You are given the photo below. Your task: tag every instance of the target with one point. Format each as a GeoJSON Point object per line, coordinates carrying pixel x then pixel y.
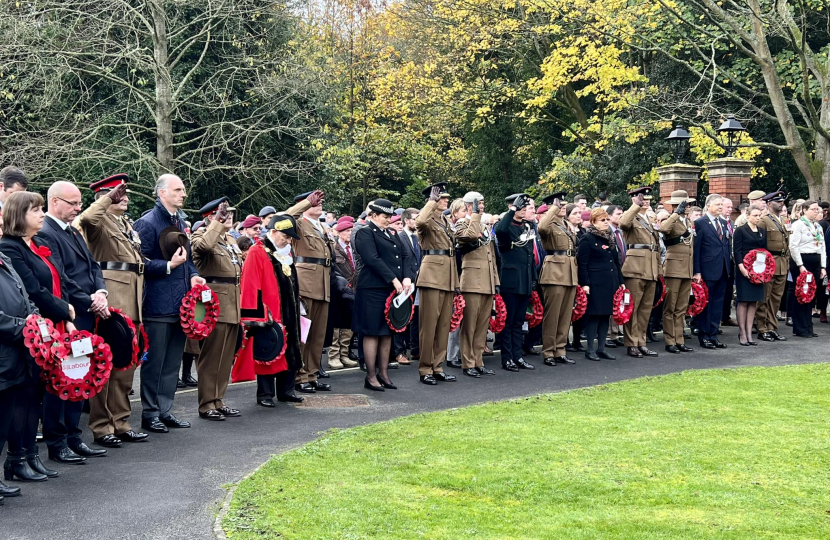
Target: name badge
{"type": "Point", "coordinates": [82, 347]}
{"type": "Point", "coordinates": [207, 295]}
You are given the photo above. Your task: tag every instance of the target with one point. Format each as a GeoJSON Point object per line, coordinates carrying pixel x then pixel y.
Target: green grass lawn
{"type": "Point", "coordinates": [703, 454]}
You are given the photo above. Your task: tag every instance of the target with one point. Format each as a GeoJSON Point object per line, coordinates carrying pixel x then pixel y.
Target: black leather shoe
{"type": "Point", "coordinates": [443, 377]}
{"type": "Point", "coordinates": [153, 424]}
{"type": "Point", "coordinates": [719, 345]}
{"type": "Point", "coordinates": [290, 398]}
{"type": "Point", "coordinates": [212, 414]}
{"type": "Point", "coordinates": [695, 332]}
{"type": "Point", "coordinates": [16, 467]}
{"type": "Point", "coordinates": [428, 379]}
{"type": "Point", "coordinates": [228, 412]}
{"type": "Point", "coordinates": [578, 346]}
{"type": "Point", "coordinates": [322, 374]}
{"type": "Point", "coordinates": [471, 372]}
{"type": "Point", "coordinates": [65, 455]}
{"type": "Point", "coordinates": [180, 384]}
{"type": "Point", "coordinates": [108, 441]}
{"type": "Point", "coordinates": [394, 365]}
{"type": "Point", "coordinates": [687, 335]}
{"type": "Point", "coordinates": [789, 321]}
{"type": "Point", "coordinates": [605, 356]}
{"type": "Point", "coordinates": [133, 436]}
{"type": "Point", "coordinates": [620, 342]}
{"type": "Point", "coordinates": [610, 344]}
{"type": "Point", "coordinates": [648, 352]}
{"type": "Point", "coordinates": [173, 422]}
{"type": "Point", "coordinates": [766, 336]}
{"type": "Point", "coordinates": [634, 352]}
{"type": "Point", "coordinates": [706, 344]}
{"type": "Point", "coordinates": [266, 403]}
{"type": "Point", "coordinates": [369, 386]}
{"type": "Point", "coordinates": [37, 465]}
{"type": "Point", "coordinates": [530, 352]}
{"type": "Point", "coordinates": [8, 491]}
{"type": "Point", "coordinates": [320, 386]}
{"type": "Point", "coordinates": [569, 347]}
{"type": "Point", "coordinates": [83, 450]}
{"type": "Point", "coordinates": [510, 366]}
{"type": "Point", "coordinates": [550, 361]}
{"type": "Point", "coordinates": [387, 384]}
{"type": "Point", "coordinates": [188, 380]}
{"type": "Point", "coordinates": [454, 363]}
{"type": "Point", "coordinates": [484, 371]}
{"type": "Point", "coordinates": [523, 365]}
{"type": "Point", "coordinates": [592, 356]}
{"type": "Point", "coordinates": [564, 360]}
{"type": "Point", "coordinates": [685, 348]}
{"type": "Point", "coordinates": [776, 336]}
{"type": "Point", "coordinates": [674, 349]}
{"type": "Point", "coordinates": [305, 388]}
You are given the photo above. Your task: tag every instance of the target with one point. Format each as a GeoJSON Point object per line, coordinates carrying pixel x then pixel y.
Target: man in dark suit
{"type": "Point", "coordinates": [713, 265]}
{"type": "Point", "coordinates": [86, 291]}
{"type": "Point", "coordinates": [409, 340]}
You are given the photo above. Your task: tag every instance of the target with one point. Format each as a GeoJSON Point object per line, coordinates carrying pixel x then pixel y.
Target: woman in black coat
{"type": "Point", "coordinates": [385, 269]}
{"type": "Point", "coordinates": [23, 218]}
{"type": "Point", "coordinates": [600, 275]}
{"type": "Point", "coordinates": [745, 239]}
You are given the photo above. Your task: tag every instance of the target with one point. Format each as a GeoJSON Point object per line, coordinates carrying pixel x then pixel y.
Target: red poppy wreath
{"type": "Point", "coordinates": [458, 304]}
{"type": "Point", "coordinates": [622, 309]}
{"type": "Point", "coordinates": [580, 304]}
{"type": "Point", "coordinates": [199, 312]}
{"type": "Point", "coordinates": [701, 293]}
{"type": "Point", "coordinates": [39, 334]}
{"type": "Point", "coordinates": [769, 266]}
{"type": "Point", "coordinates": [137, 344]}
{"type": "Point", "coordinates": [534, 317]}
{"type": "Point", "coordinates": [805, 289]}
{"type": "Point", "coordinates": [498, 321]}
{"type": "Point", "coordinates": [663, 292]}
{"type": "Point", "coordinates": [76, 378]}
{"type": "Point", "coordinates": [389, 322]}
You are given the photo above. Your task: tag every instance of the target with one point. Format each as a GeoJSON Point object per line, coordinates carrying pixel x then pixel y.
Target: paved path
{"type": "Point", "coordinates": [171, 487]}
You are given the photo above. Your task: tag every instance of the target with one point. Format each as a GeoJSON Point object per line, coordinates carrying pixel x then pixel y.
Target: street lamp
{"type": "Point", "coordinates": [732, 128]}
{"type": "Point", "coordinates": [679, 139]}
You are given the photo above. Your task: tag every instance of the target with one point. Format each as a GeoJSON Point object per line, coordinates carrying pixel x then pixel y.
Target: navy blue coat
{"type": "Point", "coordinates": [163, 292]}
{"type": "Point", "coordinates": [712, 255]}
{"type": "Point", "coordinates": [518, 269]}
{"type": "Point", "coordinates": [384, 258]}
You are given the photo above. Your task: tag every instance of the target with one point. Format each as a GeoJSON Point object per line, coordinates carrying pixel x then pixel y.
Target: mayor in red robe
{"type": "Point", "coordinates": [270, 294]}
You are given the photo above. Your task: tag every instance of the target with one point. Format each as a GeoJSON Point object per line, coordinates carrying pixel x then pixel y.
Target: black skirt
{"type": "Point", "coordinates": [369, 307]}
{"type": "Point", "coordinates": [746, 290]}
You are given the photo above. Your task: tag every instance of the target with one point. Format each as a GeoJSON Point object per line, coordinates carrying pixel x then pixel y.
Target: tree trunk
{"type": "Point", "coordinates": [820, 189]}
{"type": "Point", "coordinates": [164, 97]}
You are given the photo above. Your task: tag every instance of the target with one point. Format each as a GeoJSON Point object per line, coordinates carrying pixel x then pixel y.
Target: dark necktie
{"type": "Point", "coordinates": [349, 255]}
{"type": "Point", "coordinates": [720, 229]}
{"type": "Point", "coordinates": [620, 246]}
{"type": "Point", "coordinates": [415, 246]}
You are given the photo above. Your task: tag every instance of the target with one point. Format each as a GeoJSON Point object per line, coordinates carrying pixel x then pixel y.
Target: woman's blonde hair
{"type": "Point", "coordinates": [598, 214]}
{"type": "Point", "coordinates": [15, 208]}
{"type": "Point", "coordinates": [457, 205]}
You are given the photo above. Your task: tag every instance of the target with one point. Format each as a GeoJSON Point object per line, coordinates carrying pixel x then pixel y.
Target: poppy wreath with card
{"type": "Point", "coordinates": [59, 378]}
{"type": "Point", "coordinates": [388, 307]}
{"type": "Point", "coordinates": [458, 304]}
{"type": "Point", "coordinates": [622, 311]}
{"type": "Point", "coordinates": [498, 320]}
{"type": "Point", "coordinates": [38, 342]}
{"type": "Point", "coordinates": [199, 317]}
{"type": "Point", "coordinates": [537, 311]}
{"type": "Point", "coordinates": [805, 290]}
{"type": "Point", "coordinates": [580, 304]}
{"type": "Point", "coordinates": [701, 294]}
{"type": "Point", "coordinates": [769, 266]}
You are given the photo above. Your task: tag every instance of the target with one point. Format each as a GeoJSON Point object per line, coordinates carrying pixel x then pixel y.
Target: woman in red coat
{"type": "Point", "coordinates": [270, 295]}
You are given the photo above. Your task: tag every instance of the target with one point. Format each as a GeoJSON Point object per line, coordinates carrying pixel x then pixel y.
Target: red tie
{"type": "Point", "coordinates": [535, 253]}
{"type": "Point", "coordinates": [349, 255]}
{"type": "Point", "coordinates": [618, 238]}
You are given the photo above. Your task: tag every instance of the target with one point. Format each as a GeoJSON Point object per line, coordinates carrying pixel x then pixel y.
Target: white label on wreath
{"type": "Point", "coordinates": [760, 263]}
{"type": "Point", "coordinates": [76, 367]}
{"type": "Point", "coordinates": [809, 278]}
{"type": "Point", "coordinates": [82, 347]}
{"type": "Point", "coordinates": [207, 295]}
{"type": "Point", "coordinates": [44, 331]}
{"type": "Point", "coordinates": [626, 299]}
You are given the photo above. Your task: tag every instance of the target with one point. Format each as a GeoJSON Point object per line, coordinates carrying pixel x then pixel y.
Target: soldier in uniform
{"type": "Point", "coordinates": [314, 258]}
{"type": "Point", "coordinates": [640, 270]}
{"type": "Point", "coordinates": [479, 282]}
{"type": "Point", "coordinates": [216, 257]}
{"type": "Point", "coordinates": [757, 198]}
{"type": "Point", "coordinates": [558, 280]}
{"type": "Point", "coordinates": [117, 248]}
{"type": "Point", "coordinates": [437, 281]}
{"type": "Point", "coordinates": [778, 241]}
{"type": "Point", "coordinates": [678, 238]}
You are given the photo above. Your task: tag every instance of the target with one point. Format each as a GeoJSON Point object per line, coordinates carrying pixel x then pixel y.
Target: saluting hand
{"type": "Point", "coordinates": [435, 194]}
{"type": "Point", "coordinates": [316, 198]}
{"type": "Point", "coordinates": [681, 208]}
{"type": "Point", "coordinates": [639, 200]}
{"type": "Point", "coordinates": [222, 213]}
{"type": "Point", "coordinates": [118, 193]}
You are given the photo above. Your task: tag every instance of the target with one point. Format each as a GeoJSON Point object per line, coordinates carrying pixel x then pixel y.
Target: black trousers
{"type": "Point", "coordinates": [60, 422]}
{"type": "Point", "coordinates": [9, 398]}
{"type": "Point", "coordinates": [408, 339]}
{"type": "Point", "coordinates": [511, 336]}
{"type": "Point", "coordinates": [802, 314]}
{"type": "Point", "coordinates": [278, 385]}
{"type": "Point", "coordinates": [596, 327]}
{"type": "Point", "coordinates": [26, 416]}
{"type": "Point", "coordinates": [414, 328]}
{"type": "Point", "coordinates": [727, 297]}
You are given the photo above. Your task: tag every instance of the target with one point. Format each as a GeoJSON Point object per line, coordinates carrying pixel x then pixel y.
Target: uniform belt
{"type": "Point", "coordinates": [445, 252]}
{"type": "Point", "coordinates": [779, 253]}
{"type": "Point", "coordinates": [137, 268]}
{"type": "Point", "coordinates": [568, 252]}
{"type": "Point", "coordinates": [676, 240]}
{"type": "Point", "coordinates": [228, 280]}
{"type": "Point", "coordinates": [642, 246]}
{"type": "Point", "coordinates": [314, 260]}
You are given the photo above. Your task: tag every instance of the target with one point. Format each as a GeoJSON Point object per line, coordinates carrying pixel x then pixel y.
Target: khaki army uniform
{"type": "Point", "coordinates": [113, 243]}
{"type": "Point", "coordinates": [314, 258]}
{"type": "Point", "coordinates": [437, 281]}
{"type": "Point", "coordinates": [678, 271]}
{"type": "Point", "coordinates": [217, 258]}
{"type": "Point", "coordinates": [479, 279]}
{"type": "Point", "coordinates": [558, 281]}
{"type": "Point", "coordinates": [778, 241]}
{"type": "Point", "coordinates": [640, 270]}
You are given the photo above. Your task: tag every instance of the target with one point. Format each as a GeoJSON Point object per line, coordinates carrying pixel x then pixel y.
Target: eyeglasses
{"type": "Point", "coordinates": [70, 203]}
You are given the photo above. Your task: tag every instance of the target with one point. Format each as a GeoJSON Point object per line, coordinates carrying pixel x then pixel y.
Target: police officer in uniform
{"type": "Point", "coordinates": [679, 269]}
{"type": "Point", "coordinates": [558, 280]}
{"type": "Point", "coordinates": [117, 248]}
{"type": "Point", "coordinates": [778, 241]}
{"type": "Point", "coordinates": [640, 270]}
{"type": "Point", "coordinates": [479, 282]}
{"type": "Point", "coordinates": [216, 257]}
{"type": "Point", "coordinates": [437, 281]}
{"type": "Point", "coordinates": [314, 258]}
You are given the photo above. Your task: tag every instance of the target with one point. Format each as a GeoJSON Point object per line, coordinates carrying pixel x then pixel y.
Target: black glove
{"type": "Point", "coordinates": [458, 290]}
{"type": "Point", "coordinates": [520, 202]}
{"type": "Point", "coordinates": [253, 330]}
{"type": "Point", "coordinates": [681, 208]}
{"type": "Point", "coordinates": [498, 289]}
{"type": "Point", "coordinates": [475, 206]}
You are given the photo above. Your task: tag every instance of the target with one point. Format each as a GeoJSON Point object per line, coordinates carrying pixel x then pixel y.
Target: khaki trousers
{"type": "Point", "coordinates": [339, 348]}
{"type": "Point", "coordinates": [767, 315]}
{"type": "Point", "coordinates": [559, 306]}
{"type": "Point", "coordinates": [642, 294]}
{"type": "Point", "coordinates": [109, 409]}
{"type": "Point", "coordinates": [312, 349]}
{"type": "Point", "coordinates": [674, 309]}
{"type": "Point", "coordinates": [477, 311]}
{"type": "Point", "coordinates": [213, 365]}
{"type": "Point", "coordinates": [434, 317]}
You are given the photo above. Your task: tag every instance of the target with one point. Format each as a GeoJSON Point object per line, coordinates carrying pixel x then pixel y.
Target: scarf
{"type": "Point", "coordinates": [601, 234]}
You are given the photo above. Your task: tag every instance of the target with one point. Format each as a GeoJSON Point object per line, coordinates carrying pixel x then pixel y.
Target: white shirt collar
{"type": "Point", "coordinates": [62, 224]}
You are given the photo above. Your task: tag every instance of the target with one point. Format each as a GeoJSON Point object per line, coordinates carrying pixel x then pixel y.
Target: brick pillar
{"type": "Point", "coordinates": [678, 176]}
{"type": "Point", "coordinates": [729, 177]}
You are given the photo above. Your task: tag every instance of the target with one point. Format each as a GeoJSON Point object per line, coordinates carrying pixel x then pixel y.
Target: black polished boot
{"type": "Point", "coordinates": [8, 491]}
{"type": "Point", "coordinates": [33, 459]}
{"type": "Point", "coordinates": [187, 367]}
{"type": "Point", "coordinates": [16, 467]}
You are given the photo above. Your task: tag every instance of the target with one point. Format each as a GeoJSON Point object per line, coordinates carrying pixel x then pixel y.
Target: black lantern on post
{"type": "Point", "coordinates": [732, 128]}
{"type": "Point", "coordinates": [679, 138]}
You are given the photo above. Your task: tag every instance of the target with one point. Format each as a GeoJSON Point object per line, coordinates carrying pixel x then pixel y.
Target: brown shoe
{"type": "Point", "coordinates": [730, 322]}
{"type": "Point", "coordinates": [402, 359]}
